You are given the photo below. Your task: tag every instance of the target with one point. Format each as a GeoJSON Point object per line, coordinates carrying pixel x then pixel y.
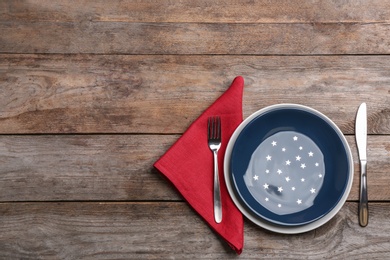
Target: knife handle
{"type": "Point", "coordinates": [363, 200]}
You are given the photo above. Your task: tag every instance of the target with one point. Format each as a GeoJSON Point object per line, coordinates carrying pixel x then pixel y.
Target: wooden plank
{"type": "Point", "coordinates": [173, 230]}
{"type": "Point", "coordinates": [164, 94]}
{"type": "Point", "coordinates": [119, 167]}
{"type": "Point", "coordinates": [194, 38]}
{"type": "Point", "coordinates": [227, 11]}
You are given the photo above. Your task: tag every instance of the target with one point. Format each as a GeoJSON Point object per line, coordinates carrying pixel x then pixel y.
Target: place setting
{"type": "Point", "coordinates": [287, 167]}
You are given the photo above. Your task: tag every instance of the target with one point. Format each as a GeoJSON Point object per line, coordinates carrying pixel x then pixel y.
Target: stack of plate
{"type": "Point", "coordinates": [288, 168]}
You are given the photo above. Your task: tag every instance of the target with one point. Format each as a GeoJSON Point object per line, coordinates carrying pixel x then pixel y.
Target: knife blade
{"type": "Point", "coordinates": [361, 140]}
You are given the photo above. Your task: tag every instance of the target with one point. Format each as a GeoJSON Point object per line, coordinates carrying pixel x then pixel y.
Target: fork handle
{"type": "Point", "coordinates": [217, 191]}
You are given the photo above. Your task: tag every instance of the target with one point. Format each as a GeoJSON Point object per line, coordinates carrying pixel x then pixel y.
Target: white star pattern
{"type": "Point", "coordinates": [281, 172]}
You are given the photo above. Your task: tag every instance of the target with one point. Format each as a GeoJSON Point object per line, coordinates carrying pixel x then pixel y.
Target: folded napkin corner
{"type": "Point", "coordinates": [188, 165]}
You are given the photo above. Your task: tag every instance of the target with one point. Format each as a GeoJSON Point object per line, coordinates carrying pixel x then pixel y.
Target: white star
{"type": "Point", "coordinates": [317, 164]}
{"type": "Point", "coordinates": [313, 190]}
{"type": "Point", "coordinates": [265, 186]}
{"type": "Point", "coordinates": [288, 162]}
{"type": "Point", "coordinates": [303, 166]}
{"type": "Point", "coordinates": [266, 199]}
{"type": "Point", "coordinates": [280, 189]}
{"type": "Point", "coordinates": [300, 147]}
{"type": "Point", "coordinates": [299, 201]}
{"type": "Point", "coordinates": [287, 179]}
{"type": "Point", "coordinates": [279, 205]}
{"type": "Point", "coordinates": [256, 177]}
{"type": "Point", "coordinates": [310, 154]}
{"type": "Point", "coordinates": [298, 158]}
{"type": "Point", "coordinates": [269, 157]}
{"type": "Point", "coordinates": [274, 143]}
{"type": "Point", "coordinates": [293, 188]}
{"type": "Point", "coordinates": [279, 171]}
{"type": "Point", "coordinates": [303, 179]}
{"type": "Point", "coordinates": [283, 149]}
{"type": "Point", "coordinates": [267, 171]}
{"type": "Point", "coordinates": [295, 138]}
{"type": "Point", "coordinates": [320, 175]}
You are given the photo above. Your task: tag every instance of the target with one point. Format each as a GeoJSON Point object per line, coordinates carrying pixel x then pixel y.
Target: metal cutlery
{"type": "Point", "coordinates": [214, 142]}
{"type": "Point", "coordinates": [361, 140]}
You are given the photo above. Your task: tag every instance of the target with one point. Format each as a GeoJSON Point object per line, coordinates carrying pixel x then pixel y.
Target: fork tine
{"type": "Point", "coordinates": [212, 135]}
{"type": "Point", "coordinates": [214, 127]}
{"type": "Point", "coordinates": [218, 127]}
{"type": "Point", "coordinates": [208, 127]}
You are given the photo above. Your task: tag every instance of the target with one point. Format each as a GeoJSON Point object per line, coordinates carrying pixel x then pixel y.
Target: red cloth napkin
{"type": "Point", "coordinates": [188, 164]}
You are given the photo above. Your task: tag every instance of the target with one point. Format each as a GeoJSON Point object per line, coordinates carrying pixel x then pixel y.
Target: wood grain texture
{"type": "Point", "coordinates": [120, 167]}
{"type": "Point", "coordinates": [194, 38]}
{"type": "Point", "coordinates": [164, 94]}
{"type": "Point", "coordinates": [202, 11]}
{"type": "Point", "coordinates": [104, 168]}
{"type": "Point", "coordinates": [92, 93]}
{"type": "Point", "coordinates": [201, 27]}
{"type": "Point", "coordinates": [168, 230]}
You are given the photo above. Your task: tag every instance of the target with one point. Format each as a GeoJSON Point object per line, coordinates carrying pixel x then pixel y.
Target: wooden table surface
{"type": "Point", "coordinates": [92, 93]}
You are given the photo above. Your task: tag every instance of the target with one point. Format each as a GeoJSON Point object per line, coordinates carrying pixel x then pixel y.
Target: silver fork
{"type": "Point", "coordinates": [214, 141]}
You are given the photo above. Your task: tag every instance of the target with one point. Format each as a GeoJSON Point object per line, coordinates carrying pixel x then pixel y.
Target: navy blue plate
{"type": "Point", "coordinates": [290, 165]}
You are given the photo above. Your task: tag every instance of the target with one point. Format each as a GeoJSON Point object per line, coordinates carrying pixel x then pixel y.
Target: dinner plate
{"type": "Point", "coordinates": [288, 168]}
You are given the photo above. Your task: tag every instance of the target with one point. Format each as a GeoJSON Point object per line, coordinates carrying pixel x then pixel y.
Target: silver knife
{"type": "Point", "coordinates": [361, 140]}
